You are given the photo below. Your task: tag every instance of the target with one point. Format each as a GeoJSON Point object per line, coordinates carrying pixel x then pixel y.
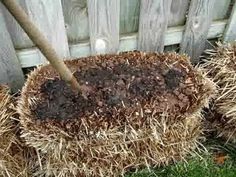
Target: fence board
{"type": "Point", "coordinates": [29, 57]}
{"type": "Point", "coordinates": [104, 25]}
{"type": "Point", "coordinates": [221, 8]}
{"type": "Point", "coordinates": [129, 16]}
{"type": "Point", "coordinates": [178, 12]}
{"type": "Point", "coordinates": [10, 69]}
{"type": "Point", "coordinates": [19, 38]}
{"type": "Point", "coordinates": [76, 20]}
{"type": "Point", "coordinates": [230, 31]}
{"type": "Point", "coordinates": [198, 23]}
{"type": "Point", "coordinates": [47, 16]}
{"type": "Point", "coordinates": [153, 24]}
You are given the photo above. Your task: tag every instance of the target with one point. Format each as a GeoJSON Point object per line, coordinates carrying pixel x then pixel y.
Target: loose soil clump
{"type": "Point", "coordinates": [137, 105]}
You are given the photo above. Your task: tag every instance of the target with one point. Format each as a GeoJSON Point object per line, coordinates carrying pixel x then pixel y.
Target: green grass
{"type": "Point", "coordinates": [199, 167]}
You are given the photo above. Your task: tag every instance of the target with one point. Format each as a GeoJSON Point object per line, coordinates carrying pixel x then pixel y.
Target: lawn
{"type": "Point", "coordinates": [219, 161]}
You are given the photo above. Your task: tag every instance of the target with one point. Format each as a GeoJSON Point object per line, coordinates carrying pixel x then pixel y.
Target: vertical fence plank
{"type": "Point", "coordinates": [153, 24]}
{"type": "Point", "coordinates": [129, 16]}
{"type": "Point", "coordinates": [178, 12]}
{"type": "Point", "coordinates": [230, 31]}
{"type": "Point", "coordinates": [221, 9]}
{"type": "Point", "coordinates": [48, 17]}
{"type": "Point", "coordinates": [19, 38]}
{"type": "Point", "coordinates": [198, 23]}
{"type": "Point", "coordinates": [76, 20]}
{"type": "Point", "coordinates": [104, 25]}
{"type": "Point", "coordinates": [10, 69]}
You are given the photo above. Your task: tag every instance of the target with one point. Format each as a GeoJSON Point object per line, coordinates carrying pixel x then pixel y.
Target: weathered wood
{"type": "Point", "coordinates": [42, 43]}
{"type": "Point", "coordinates": [178, 12]}
{"type": "Point", "coordinates": [104, 25]}
{"type": "Point", "coordinates": [230, 31]}
{"type": "Point", "coordinates": [29, 57]}
{"type": "Point", "coordinates": [221, 8]}
{"type": "Point", "coordinates": [47, 16]}
{"type": "Point", "coordinates": [76, 19]}
{"type": "Point", "coordinates": [153, 24]}
{"type": "Point", "coordinates": [19, 38]}
{"type": "Point", "coordinates": [10, 69]}
{"type": "Point", "coordinates": [129, 16]}
{"type": "Point", "coordinates": [197, 26]}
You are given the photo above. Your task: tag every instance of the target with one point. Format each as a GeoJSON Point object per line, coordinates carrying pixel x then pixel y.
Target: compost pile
{"type": "Point", "coordinates": [14, 156]}
{"type": "Point", "coordinates": [140, 109]}
{"type": "Point", "coordinates": [221, 67]}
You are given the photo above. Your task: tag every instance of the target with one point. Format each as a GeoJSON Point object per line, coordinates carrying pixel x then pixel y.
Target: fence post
{"type": "Point", "coordinates": [104, 21]}
{"type": "Point", "coordinates": [48, 17]}
{"type": "Point", "coordinates": [197, 26]}
{"type": "Point", "coordinates": [230, 31]}
{"type": "Point", "coordinates": [10, 69]}
{"type": "Point", "coordinates": [76, 20]}
{"type": "Point", "coordinates": [153, 24]}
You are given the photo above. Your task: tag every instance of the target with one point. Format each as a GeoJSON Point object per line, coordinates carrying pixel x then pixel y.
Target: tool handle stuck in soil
{"type": "Point", "coordinates": [42, 43]}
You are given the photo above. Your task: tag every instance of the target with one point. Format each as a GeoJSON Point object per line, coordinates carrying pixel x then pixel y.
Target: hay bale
{"type": "Point", "coordinates": [221, 67]}
{"type": "Point", "coordinates": [13, 154]}
{"type": "Point", "coordinates": [141, 110]}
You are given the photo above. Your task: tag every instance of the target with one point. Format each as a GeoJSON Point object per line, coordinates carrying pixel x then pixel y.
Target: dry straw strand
{"type": "Point", "coordinates": [13, 154]}
{"type": "Point", "coordinates": [221, 67]}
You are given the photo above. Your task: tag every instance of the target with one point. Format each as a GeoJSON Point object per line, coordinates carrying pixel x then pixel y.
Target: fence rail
{"type": "Point", "coordinates": [78, 28]}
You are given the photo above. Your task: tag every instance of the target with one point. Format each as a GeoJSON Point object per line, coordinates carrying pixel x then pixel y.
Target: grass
{"type": "Point", "coordinates": [219, 161]}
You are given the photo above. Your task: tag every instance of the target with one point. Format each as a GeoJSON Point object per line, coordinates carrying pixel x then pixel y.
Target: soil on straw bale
{"type": "Point", "coordinates": [115, 87]}
{"type": "Point", "coordinates": [141, 109]}
{"type": "Point", "coordinates": [118, 85]}
{"type": "Point", "coordinates": [221, 66]}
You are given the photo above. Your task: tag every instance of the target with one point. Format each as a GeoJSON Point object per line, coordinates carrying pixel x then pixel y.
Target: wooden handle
{"type": "Point", "coordinates": [41, 42]}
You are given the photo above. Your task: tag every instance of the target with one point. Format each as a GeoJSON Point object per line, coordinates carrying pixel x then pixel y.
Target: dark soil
{"type": "Point", "coordinates": [123, 84]}
{"type": "Point", "coordinates": [118, 86]}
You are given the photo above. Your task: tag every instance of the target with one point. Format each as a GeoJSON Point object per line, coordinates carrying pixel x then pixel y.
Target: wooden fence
{"type": "Point", "coordinates": [79, 28]}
